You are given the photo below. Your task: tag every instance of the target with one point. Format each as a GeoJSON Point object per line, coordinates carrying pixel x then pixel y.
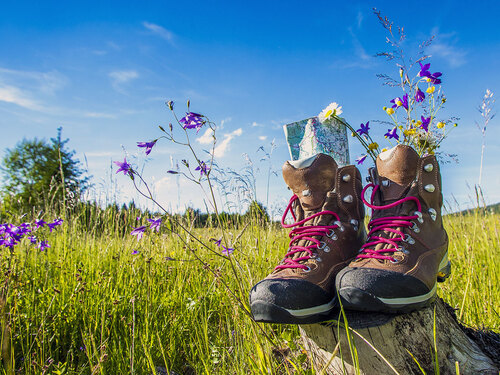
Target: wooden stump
{"type": "Point", "coordinates": [393, 344]}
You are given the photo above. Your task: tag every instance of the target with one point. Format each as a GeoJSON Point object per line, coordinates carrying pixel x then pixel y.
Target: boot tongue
{"type": "Point", "coordinates": [397, 169]}
{"type": "Point", "coordinates": [311, 179]}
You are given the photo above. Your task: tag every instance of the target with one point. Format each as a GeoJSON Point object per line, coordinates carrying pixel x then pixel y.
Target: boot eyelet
{"type": "Point", "coordinates": [409, 239]}
{"type": "Point", "coordinates": [394, 261]}
{"type": "Point", "coordinates": [318, 259]}
{"type": "Point", "coordinates": [432, 214]}
{"type": "Point", "coordinates": [334, 237]}
{"type": "Point", "coordinates": [420, 217]}
{"type": "Point", "coordinates": [414, 227]}
{"type": "Point", "coordinates": [308, 269]}
{"type": "Point", "coordinates": [339, 224]}
{"type": "Point", "coordinates": [326, 249]}
{"type": "Point", "coordinates": [321, 245]}
{"type": "Point", "coordinates": [403, 250]}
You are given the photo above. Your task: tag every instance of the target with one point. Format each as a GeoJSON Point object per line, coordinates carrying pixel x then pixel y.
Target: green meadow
{"type": "Point", "coordinates": [100, 302]}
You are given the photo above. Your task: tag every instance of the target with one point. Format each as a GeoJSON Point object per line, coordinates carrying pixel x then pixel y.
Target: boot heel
{"type": "Point", "coordinates": [444, 272]}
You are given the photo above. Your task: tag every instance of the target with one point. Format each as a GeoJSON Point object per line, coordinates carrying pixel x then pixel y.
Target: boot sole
{"type": "Point", "coordinates": [270, 313]}
{"type": "Point", "coordinates": [357, 299]}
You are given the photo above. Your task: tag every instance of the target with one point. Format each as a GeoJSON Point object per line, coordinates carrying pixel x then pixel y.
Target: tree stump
{"type": "Point", "coordinates": [398, 344]}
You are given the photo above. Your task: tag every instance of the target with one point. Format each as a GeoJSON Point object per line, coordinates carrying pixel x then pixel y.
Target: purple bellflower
{"type": "Point", "coordinates": [40, 223]}
{"type": "Point", "coordinates": [124, 167]}
{"type": "Point", "coordinates": [135, 252]}
{"type": "Point", "coordinates": [361, 159]}
{"type": "Point", "coordinates": [424, 70]}
{"type": "Point", "coordinates": [192, 121]}
{"type": "Point", "coordinates": [392, 133]}
{"type": "Point", "coordinates": [202, 168]}
{"type": "Point", "coordinates": [155, 224]}
{"type": "Point", "coordinates": [227, 250]}
{"type": "Point", "coordinates": [364, 128]}
{"type": "Point", "coordinates": [148, 145]}
{"type": "Point", "coordinates": [43, 245]}
{"type": "Point", "coordinates": [425, 123]}
{"type": "Point", "coordinates": [419, 96]}
{"type": "Point", "coordinates": [56, 223]}
{"type": "Point", "coordinates": [400, 102]}
{"type": "Point", "coordinates": [217, 242]}
{"type": "Point", "coordinates": [433, 77]}
{"type": "Point", "coordinates": [139, 232]}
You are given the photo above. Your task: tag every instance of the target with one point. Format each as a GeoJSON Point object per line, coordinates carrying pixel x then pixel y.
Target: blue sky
{"type": "Point", "coordinates": [103, 70]}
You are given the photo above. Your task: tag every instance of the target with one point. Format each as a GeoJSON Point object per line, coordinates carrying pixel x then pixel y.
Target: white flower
{"type": "Point", "coordinates": [333, 109]}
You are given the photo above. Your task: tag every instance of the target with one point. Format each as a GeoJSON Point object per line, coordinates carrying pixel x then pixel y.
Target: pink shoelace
{"type": "Point", "coordinates": [387, 224]}
{"type": "Point", "coordinates": [303, 233]}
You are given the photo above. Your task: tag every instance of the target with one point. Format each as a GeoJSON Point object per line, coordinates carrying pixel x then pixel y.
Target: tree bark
{"type": "Point", "coordinates": [398, 344]}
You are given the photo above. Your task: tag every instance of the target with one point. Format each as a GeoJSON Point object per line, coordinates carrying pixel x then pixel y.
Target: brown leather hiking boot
{"type": "Point", "coordinates": [407, 246]}
{"type": "Point", "coordinates": [327, 233]}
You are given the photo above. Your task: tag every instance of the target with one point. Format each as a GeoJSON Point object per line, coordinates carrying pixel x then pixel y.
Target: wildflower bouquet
{"type": "Point", "coordinates": [413, 115]}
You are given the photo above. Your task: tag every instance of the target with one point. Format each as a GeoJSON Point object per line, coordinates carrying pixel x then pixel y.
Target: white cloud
{"type": "Point", "coordinates": [255, 124]}
{"type": "Point", "coordinates": [444, 47]}
{"type": "Point", "coordinates": [45, 82]}
{"type": "Point", "coordinates": [159, 30]}
{"type": "Point", "coordinates": [21, 87]}
{"type": "Point", "coordinates": [123, 76]}
{"type": "Point", "coordinates": [359, 18]}
{"type": "Point", "coordinates": [99, 115]}
{"type": "Point", "coordinates": [222, 147]}
{"type": "Point", "coordinates": [227, 119]}
{"type": "Point", "coordinates": [454, 56]}
{"type": "Point", "coordinates": [263, 137]}
{"type": "Point", "coordinates": [16, 96]}
{"type": "Point", "coordinates": [207, 137]}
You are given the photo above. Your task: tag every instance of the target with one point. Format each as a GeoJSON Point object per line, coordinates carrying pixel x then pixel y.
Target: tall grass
{"type": "Point", "coordinates": [90, 306]}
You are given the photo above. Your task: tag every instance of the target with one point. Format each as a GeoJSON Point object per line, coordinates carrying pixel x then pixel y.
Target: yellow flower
{"type": "Point", "coordinates": [390, 111]}
{"type": "Point", "coordinates": [440, 125]}
{"type": "Point", "coordinates": [384, 149]}
{"type": "Point", "coordinates": [373, 146]}
{"type": "Point", "coordinates": [418, 123]}
{"type": "Point", "coordinates": [409, 132]}
{"type": "Point", "coordinates": [431, 89]}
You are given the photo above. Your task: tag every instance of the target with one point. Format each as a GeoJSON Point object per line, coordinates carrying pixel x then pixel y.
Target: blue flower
{"type": "Point", "coordinates": [361, 159]}
{"type": "Point", "coordinates": [400, 102]}
{"type": "Point", "coordinates": [124, 167]}
{"type": "Point", "coordinates": [364, 128]}
{"type": "Point", "coordinates": [155, 224]}
{"type": "Point", "coordinates": [148, 145]}
{"type": "Point", "coordinates": [419, 96]}
{"type": "Point", "coordinates": [202, 168]}
{"type": "Point", "coordinates": [139, 232]}
{"type": "Point", "coordinates": [432, 77]}
{"type": "Point", "coordinates": [392, 133]}
{"type": "Point", "coordinates": [425, 123]}
{"type": "Point", "coordinates": [192, 121]}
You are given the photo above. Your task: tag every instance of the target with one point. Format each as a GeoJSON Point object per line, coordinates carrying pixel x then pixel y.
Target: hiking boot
{"type": "Point", "coordinates": [326, 235]}
{"type": "Point", "coordinates": [407, 246]}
